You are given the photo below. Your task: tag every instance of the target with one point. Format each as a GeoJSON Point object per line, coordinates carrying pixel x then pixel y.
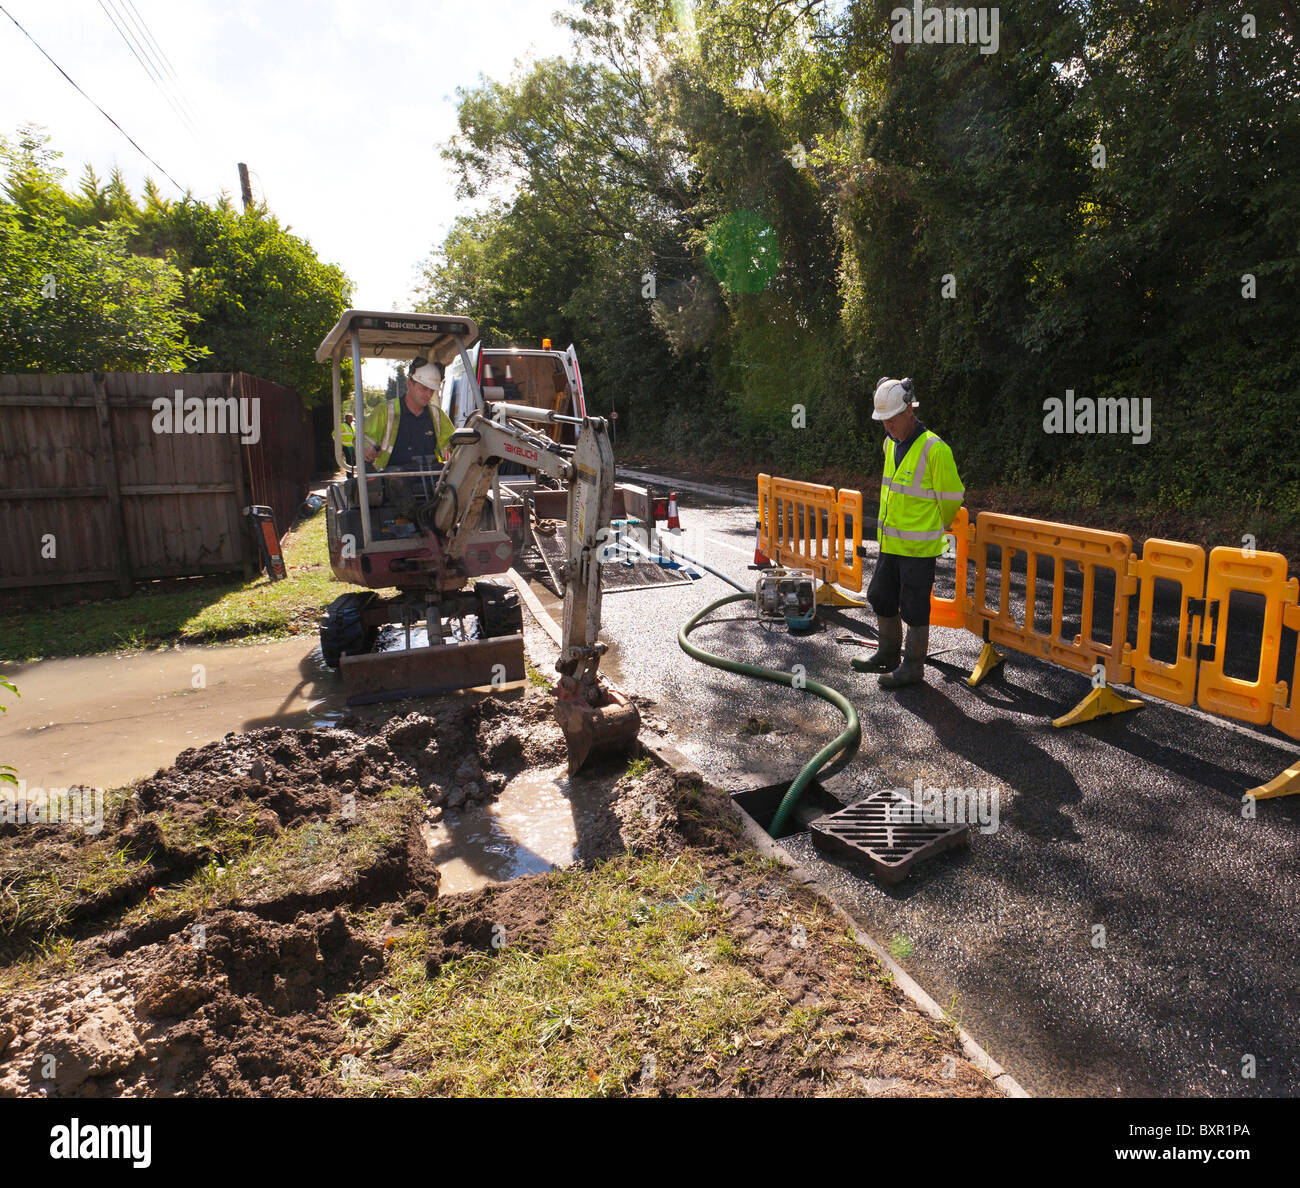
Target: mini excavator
{"type": "Point", "coordinates": [435, 535]}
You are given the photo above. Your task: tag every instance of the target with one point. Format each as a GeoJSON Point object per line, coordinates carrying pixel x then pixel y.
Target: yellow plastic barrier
{"type": "Point", "coordinates": [1090, 549]}
{"type": "Point", "coordinates": [815, 527]}
{"type": "Point", "coordinates": [1287, 719]}
{"type": "Point", "coordinates": [1184, 565]}
{"type": "Point", "coordinates": [1232, 570]}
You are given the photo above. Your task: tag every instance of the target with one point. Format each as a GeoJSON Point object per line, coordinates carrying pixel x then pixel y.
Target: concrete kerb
{"type": "Point", "coordinates": [671, 757]}
{"type": "Point", "coordinates": [727, 494]}
{"type": "Point", "coordinates": [534, 604]}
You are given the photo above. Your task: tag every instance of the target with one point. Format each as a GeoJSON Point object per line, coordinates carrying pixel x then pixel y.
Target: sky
{"type": "Point", "coordinates": [339, 107]}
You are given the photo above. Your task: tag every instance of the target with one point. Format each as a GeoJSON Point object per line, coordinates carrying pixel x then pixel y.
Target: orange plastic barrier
{"type": "Point", "coordinates": [1264, 574]}
{"type": "Point", "coordinates": [815, 527]}
{"type": "Point", "coordinates": [850, 559]}
{"type": "Point", "coordinates": [1196, 674]}
{"type": "Point", "coordinates": [808, 526]}
{"type": "Point", "coordinates": [1184, 565]}
{"type": "Point", "coordinates": [951, 612]}
{"type": "Point", "coordinates": [764, 543]}
{"type": "Point", "coordinates": [1089, 548]}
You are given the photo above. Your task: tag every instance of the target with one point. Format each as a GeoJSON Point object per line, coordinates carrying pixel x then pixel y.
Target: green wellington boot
{"type": "Point", "coordinates": [888, 651]}
{"type": "Point", "coordinates": [913, 667]}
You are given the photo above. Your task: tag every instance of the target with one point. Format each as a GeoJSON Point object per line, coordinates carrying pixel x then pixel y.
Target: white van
{"type": "Point", "coordinates": [543, 378]}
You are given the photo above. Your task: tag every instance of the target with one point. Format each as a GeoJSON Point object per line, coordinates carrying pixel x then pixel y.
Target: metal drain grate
{"type": "Point", "coordinates": [872, 830]}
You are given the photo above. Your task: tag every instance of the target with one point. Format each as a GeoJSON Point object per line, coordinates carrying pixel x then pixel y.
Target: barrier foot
{"type": "Point", "coordinates": [1287, 784]}
{"type": "Point", "coordinates": [989, 659]}
{"type": "Point", "coordinates": [828, 595]}
{"type": "Point", "coordinates": [1098, 704]}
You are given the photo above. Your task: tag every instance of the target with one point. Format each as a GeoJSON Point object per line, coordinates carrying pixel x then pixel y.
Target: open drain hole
{"type": "Point", "coordinates": [761, 805]}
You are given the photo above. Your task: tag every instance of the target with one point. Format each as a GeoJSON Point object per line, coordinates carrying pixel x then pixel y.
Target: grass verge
{"type": "Point", "coordinates": [198, 612]}
{"type": "Point", "coordinates": [644, 982]}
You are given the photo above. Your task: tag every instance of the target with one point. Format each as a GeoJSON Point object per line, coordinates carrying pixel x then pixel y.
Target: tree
{"type": "Point", "coordinates": [94, 279]}
{"type": "Point", "coordinates": [77, 298]}
{"type": "Point", "coordinates": [739, 205]}
{"type": "Point", "coordinates": [81, 300]}
{"type": "Point", "coordinates": [261, 298]}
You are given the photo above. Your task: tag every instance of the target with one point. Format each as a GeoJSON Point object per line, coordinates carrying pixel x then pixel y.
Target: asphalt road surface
{"type": "Point", "coordinates": [1124, 930]}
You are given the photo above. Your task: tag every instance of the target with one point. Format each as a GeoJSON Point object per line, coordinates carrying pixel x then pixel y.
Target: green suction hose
{"type": "Point", "coordinates": [847, 741]}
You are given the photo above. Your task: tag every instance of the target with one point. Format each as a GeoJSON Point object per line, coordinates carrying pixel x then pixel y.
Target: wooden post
{"type": "Point", "coordinates": [235, 388]}
{"type": "Point", "coordinates": [245, 186]}
{"type": "Point", "coordinates": [116, 520]}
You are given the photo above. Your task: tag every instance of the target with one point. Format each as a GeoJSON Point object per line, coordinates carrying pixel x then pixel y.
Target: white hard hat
{"type": "Point", "coordinates": [426, 373]}
{"type": "Point", "coordinates": [892, 397]}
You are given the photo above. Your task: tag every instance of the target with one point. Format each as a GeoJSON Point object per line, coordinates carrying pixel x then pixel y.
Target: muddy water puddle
{"type": "Point", "coordinates": [542, 819]}
{"type": "Point", "coordinates": [393, 637]}
{"type": "Point", "coordinates": [107, 720]}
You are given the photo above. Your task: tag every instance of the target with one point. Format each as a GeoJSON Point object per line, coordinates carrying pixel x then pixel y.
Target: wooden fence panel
{"type": "Point", "coordinates": [81, 463]}
{"type": "Point", "coordinates": [279, 465]}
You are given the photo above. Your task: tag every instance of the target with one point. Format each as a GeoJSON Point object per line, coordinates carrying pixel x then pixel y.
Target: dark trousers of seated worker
{"type": "Point", "coordinates": [901, 586]}
{"type": "Point", "coordinates": [408, 495]}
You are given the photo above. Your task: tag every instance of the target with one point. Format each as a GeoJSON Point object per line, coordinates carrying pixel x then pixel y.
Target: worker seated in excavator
{"type": "Point", "coordinates": [411, 433]}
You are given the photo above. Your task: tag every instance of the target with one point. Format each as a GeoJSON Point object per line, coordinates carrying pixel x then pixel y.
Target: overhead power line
{"type": "Point", "coordinates": [161, 57]}
{"type": "Point", "coordinates": [89, 100]}
{"type": "Point", "coordinates": [155, 75]}
{"type": "Point", "coordinates": [145, 39]}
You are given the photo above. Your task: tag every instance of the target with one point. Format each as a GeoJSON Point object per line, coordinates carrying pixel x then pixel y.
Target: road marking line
{"type": "Point", "coordinates": [722, 544]}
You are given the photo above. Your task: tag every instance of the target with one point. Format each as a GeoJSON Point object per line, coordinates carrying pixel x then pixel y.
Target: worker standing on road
{"type": "Point", "coordinates": [348, 439]}
{"type": "Point", "coordinates": [920, 495]}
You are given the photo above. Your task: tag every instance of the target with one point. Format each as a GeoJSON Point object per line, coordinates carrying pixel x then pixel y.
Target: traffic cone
{"type": "Point", "coordinates": [674, 521]}
{"type": "Point", "coordinates": [761, 559]}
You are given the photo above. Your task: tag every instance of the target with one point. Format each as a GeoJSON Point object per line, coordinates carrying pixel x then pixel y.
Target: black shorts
{"type": "Point", "coordinates": [902, 585]}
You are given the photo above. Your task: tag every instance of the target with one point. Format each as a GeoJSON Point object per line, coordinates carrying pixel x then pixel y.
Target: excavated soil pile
{"type": "Point", "coordinates": [457, 751]}
{"type": "Point", "coordinates": [242, 915]}
{"type": "Point", "coordinates": [237, 1007]}
{"type": "Point", "coordinates": [203, 933]}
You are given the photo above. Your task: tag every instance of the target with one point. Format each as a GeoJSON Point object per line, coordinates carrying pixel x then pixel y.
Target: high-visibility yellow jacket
{"type": "Point", "coordinates": [381, 429]}
{"type": "Point", "coordinates": [347, 435]}
{"type": "Point", "coordinates": [920, 499]}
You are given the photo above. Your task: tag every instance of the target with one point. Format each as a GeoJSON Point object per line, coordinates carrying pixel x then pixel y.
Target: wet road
{"type": "Point", "coordinates": [1124, 930]}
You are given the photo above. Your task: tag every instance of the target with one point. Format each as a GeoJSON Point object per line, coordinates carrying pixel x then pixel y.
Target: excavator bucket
{"type": "Point", "coordinates": [607, 727]}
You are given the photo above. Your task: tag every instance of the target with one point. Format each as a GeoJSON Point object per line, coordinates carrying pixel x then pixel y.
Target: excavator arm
{"type": "Point", "coordinates": [591, 715]}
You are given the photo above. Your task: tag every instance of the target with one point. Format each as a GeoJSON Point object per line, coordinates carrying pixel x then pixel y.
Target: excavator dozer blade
{"type": "Point", "coordinates": [441, 668]}
{"type": "Point", "coordinates": [611, 726]}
